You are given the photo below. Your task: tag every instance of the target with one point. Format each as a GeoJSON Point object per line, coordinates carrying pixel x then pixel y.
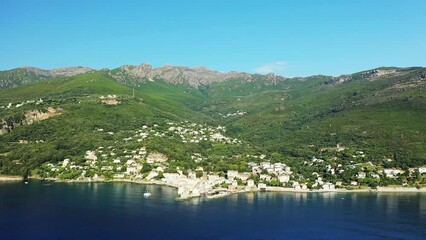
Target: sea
{"type": "Point", "coordinates": [46, 210]}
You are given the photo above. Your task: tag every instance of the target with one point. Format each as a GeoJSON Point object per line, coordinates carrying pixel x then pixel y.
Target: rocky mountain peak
{"type": "Point", "coordinates": [194, 76]}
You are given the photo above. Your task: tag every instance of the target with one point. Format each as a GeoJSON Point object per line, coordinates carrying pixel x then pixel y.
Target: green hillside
{"type": "Point", "coordinates": [380, 112]}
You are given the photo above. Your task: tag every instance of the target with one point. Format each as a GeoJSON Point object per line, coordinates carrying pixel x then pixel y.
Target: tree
{"type": "Point", "coordinates": [159, 176]}
{"type": "Point", "coordinates": [146, 167]}
{"type": "Point", "coordinates": [26, 173]}
{"type": "Point", "coordinates": [199, 174]}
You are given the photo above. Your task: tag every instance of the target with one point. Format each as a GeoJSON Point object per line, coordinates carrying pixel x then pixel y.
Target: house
{"type": "Point", "coordinates": [65, 162]}
{"type": "Point", "coordinates": [391, 173]}
{"type": "Point", "coordinates": [217, 137]}
{"type": "Point", "coordinates": [107, 168]}
{"type": "Point", "coordinates": [233, 186]}
{"type": "Point", "coordinates": [250, 183]}
{"type": "Point", "coordinates": [90, 155]}
{"type": "Point", "coordinates": [265, 177]}
{"type": "Point", "coordinates": [192, 175]}
{"type": "Point", "coordinates": [156, 157]}
{"type": "Point", "coordinates": [243, 176]}
{"type": "Point", "coordinates": [375, 175]}
{"type": "Point", "coordinates": [340, 148]}
{"type": "Point", "coordinates": [231, 174]}
{"type": "Point", "coordinates": [283, 178]}
{"type": "Point", "coordinates": [354, 183]}
{"type": "Point", "coordinates": [361, 175]}
{"type": "Point", "coordinates": [265, 165]}
{"type": "Point", "coordinates": [422, 169]}
{"type": "Point", "coordinates": [256, 170]}
{"type": "Point", "coordinates": [214, 177]}
{"type": "Point", "coordinates": [278, 167]}
{"type": "Point", "coordinates": [131, 170]}
{"type": "Point", "coordinates": [252, 164]}
{"type": "Point", "coordinates": [195, 192]}
{"type": "Point", "coordinates": [328, 186]}
{"type": "Point", "coordinates": [261, 186]}
{"type": "Point", "coordinates": [130, 162]}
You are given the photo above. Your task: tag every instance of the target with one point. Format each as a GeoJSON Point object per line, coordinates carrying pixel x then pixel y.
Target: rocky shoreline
{"type": "Point", "coordinates": [10, 178]}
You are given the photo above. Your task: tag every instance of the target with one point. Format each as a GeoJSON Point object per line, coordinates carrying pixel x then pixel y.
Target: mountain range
{"type": "Point", "coordinates": [379, 111]}
{"type": "Point", "coordinates": [131, 75]}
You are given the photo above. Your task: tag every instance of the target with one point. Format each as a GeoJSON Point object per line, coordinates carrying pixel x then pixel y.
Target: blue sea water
{"type": "Point", "coordinates": [43, 210]}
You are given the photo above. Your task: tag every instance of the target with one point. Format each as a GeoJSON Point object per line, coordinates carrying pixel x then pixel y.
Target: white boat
{"type": "Point", "coordinates": [147, 194]}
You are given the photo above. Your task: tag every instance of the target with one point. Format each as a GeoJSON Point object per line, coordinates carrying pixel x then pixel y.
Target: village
{"type": "Point", "coordinates": [131, 160]}
{"type": "Point", "coordinates": [18, 105]}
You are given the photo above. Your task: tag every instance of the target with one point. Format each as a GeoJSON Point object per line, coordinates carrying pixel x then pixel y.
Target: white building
{"type": "Point", "coordinates": [256, 170]}
{"type": "Point", "coordinates": [284, 178]}
{"type": "Point", "coordinates": [361, 175]}
{"type": "Point", "coordinates": [130, 162]}
{"type": "Point", "coordinates": [91, 155]}
{"type": "Point", "coordinates": [391, 173]}
{"type": "Point", "coordinates": [265, 177]}
{"type": "Point", "coordinates": [261, 186]}
{"type": "Point", "coordinates": [232, 174]}
{"type": "Point", "coordinates": [131, 170]}
{"type": "Point", "coordinates": [250, 183]}
{"type": "Point", "coordinates": [65, 162]}
{"type": "Point", "coordinates": [107, 168]}
{"type": "Point", "coordinates": [243, 176]}
{"type": "Point", "coordinates": [328, 186]}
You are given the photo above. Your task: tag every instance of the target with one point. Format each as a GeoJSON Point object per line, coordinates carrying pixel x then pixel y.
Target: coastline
{"type": "Point", "coordinates": [391, 189]}
{"type": "Point", "coordinates": [10, 178]}
{"type": "Point", "coordinates": [152, 182]}
{"type": "Point", "coordinates": [291, 190]}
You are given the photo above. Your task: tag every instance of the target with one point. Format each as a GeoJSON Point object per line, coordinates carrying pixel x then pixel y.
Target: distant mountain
{"type": "Point", "coordinates": [134, 75]}
{"type": "Point", "coordinates": [23, 75]}
{"type": "Point", "coordinates": [379, 73]}
{"type": "Point", "coordinates": [193, 76]}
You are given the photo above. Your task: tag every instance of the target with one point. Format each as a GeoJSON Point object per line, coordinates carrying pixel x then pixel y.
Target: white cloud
{"type": "Point", "coordinates": [275, 67]}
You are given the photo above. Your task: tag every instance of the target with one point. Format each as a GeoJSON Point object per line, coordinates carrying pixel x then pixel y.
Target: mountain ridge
{"type": "Point", "coordinates": [192, 76]}
{"type": "Point", "coordinates": [23, 75]}
{"type": "Point", "coordinates": [379, 112]}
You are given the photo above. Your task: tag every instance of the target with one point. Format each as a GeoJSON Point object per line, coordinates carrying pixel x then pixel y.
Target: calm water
{"type": "Point", "coordinates": [43, 210]}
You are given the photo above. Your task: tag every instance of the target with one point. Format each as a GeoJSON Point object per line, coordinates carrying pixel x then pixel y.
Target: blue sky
{"type": "Point", "coordinates": [291, 38]}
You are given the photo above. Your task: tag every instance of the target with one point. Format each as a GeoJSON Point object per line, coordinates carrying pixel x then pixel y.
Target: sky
{"type": "Point", "coordinates": [289, 38]}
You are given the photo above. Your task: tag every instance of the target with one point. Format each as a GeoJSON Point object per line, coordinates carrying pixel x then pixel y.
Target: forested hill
{"type": "Point", "coordinates": [47, 117]}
